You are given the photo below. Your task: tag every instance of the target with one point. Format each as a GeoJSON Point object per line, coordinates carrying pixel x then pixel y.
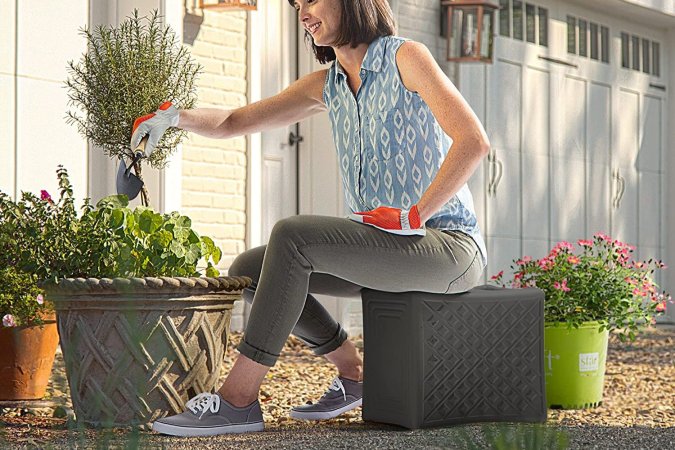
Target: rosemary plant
{"type": "Point", "coordinates": [127, 72]}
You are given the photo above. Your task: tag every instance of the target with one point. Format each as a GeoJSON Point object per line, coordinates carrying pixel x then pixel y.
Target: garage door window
{"type": "Point", "coordinates": [523, 21]}
{"type": "Point", "coordinates": [588, 39]}
{"type": "Point", "coordinates": [640, 54]}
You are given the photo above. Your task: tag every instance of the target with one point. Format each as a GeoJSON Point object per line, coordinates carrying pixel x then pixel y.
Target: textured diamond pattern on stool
{"type": "Point", "coordinates": [464, 341]}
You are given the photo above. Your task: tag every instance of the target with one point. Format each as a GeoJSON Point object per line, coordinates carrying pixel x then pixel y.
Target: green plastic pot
{"type": "Point", "coordinates": [574, 362]}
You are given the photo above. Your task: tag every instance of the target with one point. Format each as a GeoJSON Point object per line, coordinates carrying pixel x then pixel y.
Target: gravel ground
{"type": "Point", "coordinates": [638, 411]}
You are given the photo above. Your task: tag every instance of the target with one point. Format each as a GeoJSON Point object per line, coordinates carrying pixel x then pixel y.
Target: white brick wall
{"type": "Point", "coordinates": [214, 171]}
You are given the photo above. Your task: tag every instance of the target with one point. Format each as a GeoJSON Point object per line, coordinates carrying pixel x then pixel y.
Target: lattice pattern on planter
{"type": "Point", "coordinates": [131, 367]}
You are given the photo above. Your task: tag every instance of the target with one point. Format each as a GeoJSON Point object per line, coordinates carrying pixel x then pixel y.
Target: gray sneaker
{"type": "Point", "coordinates": [343, 395]}
{"type": "Point", "coordinates": [209, 414]}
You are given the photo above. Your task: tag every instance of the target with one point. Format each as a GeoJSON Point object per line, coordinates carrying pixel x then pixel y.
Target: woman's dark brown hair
{"type": "Point", "coordinates": [362, 22]}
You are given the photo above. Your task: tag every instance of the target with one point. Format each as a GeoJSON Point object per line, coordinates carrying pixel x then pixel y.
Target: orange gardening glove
{"type": "Point", "coordinates": [392, 220]}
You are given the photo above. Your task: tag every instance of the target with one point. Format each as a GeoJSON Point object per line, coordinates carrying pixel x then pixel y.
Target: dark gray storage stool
{"type": "Point", "coordinates": [434, 359]}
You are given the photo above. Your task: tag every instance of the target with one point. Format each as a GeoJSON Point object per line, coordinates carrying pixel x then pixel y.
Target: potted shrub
{"type": "Point", "coordinates": [141, 331]}
{"type": "Point", "coordinates": [28, 336]}
{"type": "Point", "coordinates": [128, 72]}
{"type": "Point", "coordinates": [588, 293]}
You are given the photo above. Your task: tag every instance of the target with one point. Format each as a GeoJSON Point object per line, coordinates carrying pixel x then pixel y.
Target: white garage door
{"type": "Point", "coordinates": [575, 108]}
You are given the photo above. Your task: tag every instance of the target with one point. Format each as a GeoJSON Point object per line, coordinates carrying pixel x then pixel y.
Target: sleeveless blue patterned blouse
{"type": "Point", "coordinates": [389, 144]}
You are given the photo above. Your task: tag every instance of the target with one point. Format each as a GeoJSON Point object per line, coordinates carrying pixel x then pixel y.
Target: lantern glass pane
{"type": "Point", "coordinates": [486, 35]}
{"type": "Point", "coordinates": [464, 40]}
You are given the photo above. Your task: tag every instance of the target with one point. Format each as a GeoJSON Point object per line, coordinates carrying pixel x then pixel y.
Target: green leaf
{"type": "Point", "coordinates": [182, 234]}
{"type": "Point", "coordinates": [161, 240]}
{"type": "Point", "coordinates": [212, 271]}
{"type": "Point", "coordinates": [116, 218]}
{"type": "Point", "coordinates": [193, 254]}
{"type": "Point", "coordinates": [217, 254]}
{"type": "Point", "coordinates": [113, 201]}
{"type": "Point", "coordinates": [193, 238]}
{"type": "Point", "coordinates": [149, 221]}
{"type": "Point", "coordinates": [183, 222]}
{"type": "Point", "coordinates": [177, 249]}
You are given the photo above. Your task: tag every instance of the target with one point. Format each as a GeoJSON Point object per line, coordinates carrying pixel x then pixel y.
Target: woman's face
{"type": "Point", "coordinates": [321, 19]}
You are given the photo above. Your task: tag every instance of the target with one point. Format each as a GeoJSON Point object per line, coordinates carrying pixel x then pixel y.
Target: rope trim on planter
{"type": "Point", "coordinates": [206, 284]}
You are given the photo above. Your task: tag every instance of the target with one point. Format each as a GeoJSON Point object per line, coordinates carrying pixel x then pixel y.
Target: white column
{"type": "Point", "coordinates": [669, 150]}
{"type": "Point", "coordinates": [8, 150]}
{"type": "Point", "coordinates": [254, 160]}
{"type": "Point", "coordinates": [170, 178]}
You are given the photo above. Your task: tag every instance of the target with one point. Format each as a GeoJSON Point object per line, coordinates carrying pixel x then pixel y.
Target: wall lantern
{"type": "Point", "coordinates": [228, 5]}
{"type": "Point", "coordinates": [470, 27]}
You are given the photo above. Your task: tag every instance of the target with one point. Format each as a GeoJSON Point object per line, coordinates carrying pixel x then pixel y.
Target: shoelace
{"type": "Point", "coordinates": [204, 402]}
{"type": "Point", "coordinates": [337, 385]}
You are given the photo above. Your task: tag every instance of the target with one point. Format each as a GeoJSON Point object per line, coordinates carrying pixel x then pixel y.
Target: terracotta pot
{"type": "Point", "coordinates": [26, 360]}
{"type": "Point", "coordinates": [136, 349]}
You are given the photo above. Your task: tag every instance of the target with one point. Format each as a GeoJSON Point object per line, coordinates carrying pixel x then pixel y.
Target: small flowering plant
{"type": "Point", "coordinates": [600, 282]}
{"type": "Point", "coordinates": [21, 301]}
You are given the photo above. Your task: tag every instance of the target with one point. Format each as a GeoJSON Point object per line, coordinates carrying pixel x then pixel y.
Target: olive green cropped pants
{"type": "Point", "coordinates": [310, 254]}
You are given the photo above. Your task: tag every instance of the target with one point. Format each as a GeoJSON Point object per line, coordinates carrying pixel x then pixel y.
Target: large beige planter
{"type": "Point", "coordinates": [137, 349]}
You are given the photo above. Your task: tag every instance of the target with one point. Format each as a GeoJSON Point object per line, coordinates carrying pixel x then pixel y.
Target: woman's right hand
{"type": "Point", "coordinates": [153, 126]}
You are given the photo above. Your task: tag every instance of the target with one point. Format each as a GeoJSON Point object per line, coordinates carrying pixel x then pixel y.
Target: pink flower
{"type": "Point", "coordinates": [603, 236]}
{"type": "Point", "coordinates": [524, 260]}
{"type": "Point", "coordinates": [40, 299]}
{"type": "Point", "coordinates": [44, 195]}
{"type": "Point", "coordinates": [499, 275]}
{"type": "Point", "coordinates": [573, 259]}
{"type": "Point", "coordinates": [564, 245]}
{"type": "Point", "coordinates": [8, 321]}
{"type": "Point", "coordinates": [585, 243]}
{"type": "Point", "coordinates": [661, 307]}
{"type": "Point", "coordinates": [561, 286]}
{"type": "Point", "coordinates": [545, 264]}
{"type": "Point", "coordinates": [638, 264]}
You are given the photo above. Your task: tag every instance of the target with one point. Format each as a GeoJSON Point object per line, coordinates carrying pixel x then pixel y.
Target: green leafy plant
{"type": "Point", "coordinates": [48, 239]}
{"type": "Point", "coordinates": [600, 282]}
{"type": "Point", "coordinates": [150, 244]}
{"type": "Point", "coordinates": [127, 72]}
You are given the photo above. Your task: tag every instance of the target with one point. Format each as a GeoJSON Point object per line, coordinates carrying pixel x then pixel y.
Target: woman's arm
{"type": "Point", "coordinates": [301, 99]}
{"type": "Point", "coordinates": [420, 73]}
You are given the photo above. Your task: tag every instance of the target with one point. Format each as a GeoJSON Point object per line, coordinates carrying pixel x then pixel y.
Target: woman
{"type": "Point", "coordinates": [413, 227]}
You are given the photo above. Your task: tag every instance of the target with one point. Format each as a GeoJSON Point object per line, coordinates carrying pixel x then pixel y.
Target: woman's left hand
{"type": "Point", "coordinates": [392, 220]}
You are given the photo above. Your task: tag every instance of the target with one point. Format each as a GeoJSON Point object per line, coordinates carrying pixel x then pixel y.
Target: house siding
{"type": "Point", "coordinates": [214, 170]}
{"type": "Point", "coordinates": [37, 41]}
